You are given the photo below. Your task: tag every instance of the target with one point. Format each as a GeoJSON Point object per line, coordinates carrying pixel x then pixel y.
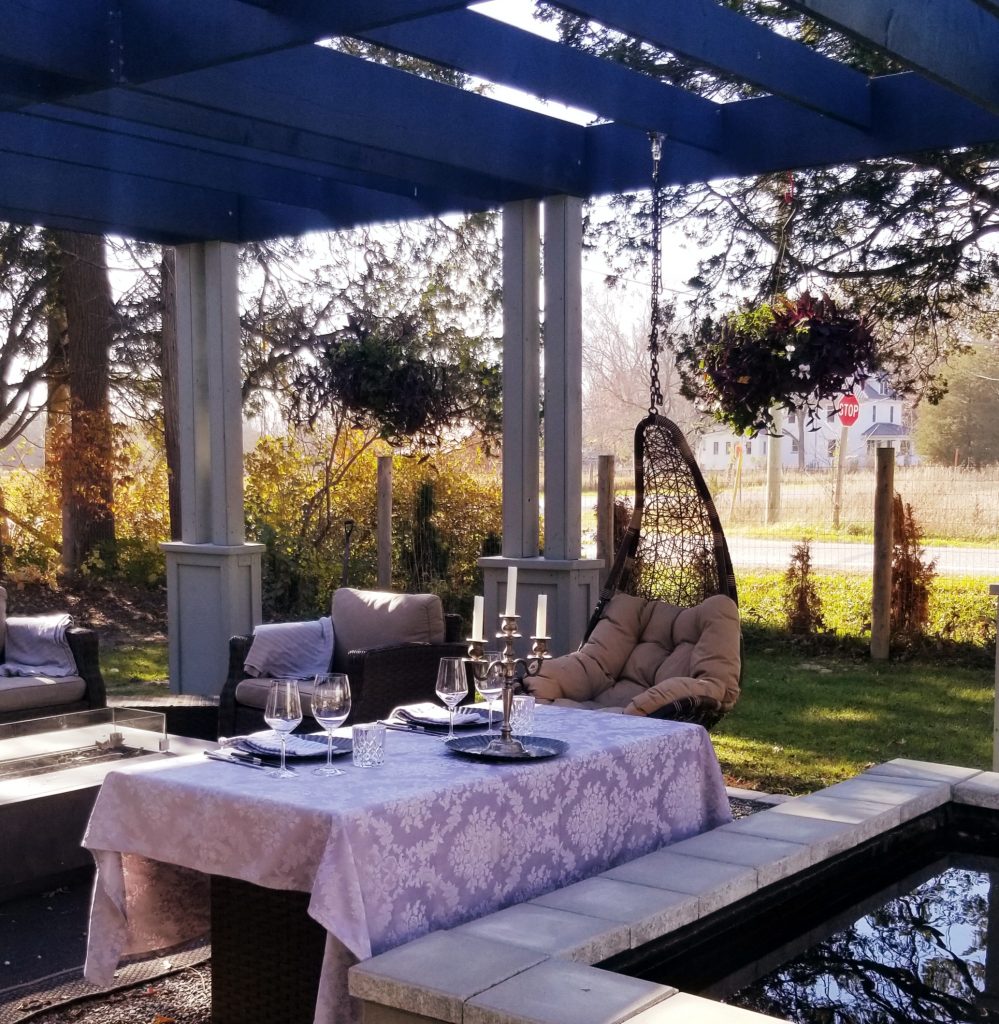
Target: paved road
{"type": "Point", "coordinates": [752, 552]}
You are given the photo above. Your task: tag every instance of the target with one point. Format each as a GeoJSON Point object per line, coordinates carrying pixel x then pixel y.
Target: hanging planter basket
{"type": "Point", "coordinates": [789, 353]}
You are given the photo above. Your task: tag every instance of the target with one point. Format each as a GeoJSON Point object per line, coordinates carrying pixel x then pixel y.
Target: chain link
{"type": "Point", "coordinates": [655, 389]}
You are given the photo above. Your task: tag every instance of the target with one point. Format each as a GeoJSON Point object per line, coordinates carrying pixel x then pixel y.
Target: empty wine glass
{"type": "Point", "coordinates": [452, 687]}
{"type": "Point", "coordinates": [330, 708]}
{"type": "Point", "coordinates": [283, 714]}
{"type": "Point", "coordinates": [488, 677]}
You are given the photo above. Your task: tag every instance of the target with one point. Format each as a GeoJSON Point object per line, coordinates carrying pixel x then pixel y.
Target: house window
{"type": "Point", "coordinates": [831, 414]}
{"type": "Point", "coordinates": [728, 447]}
{"type": "Point", "coordinates": [749, 447]}
{"type": "Point", "coordinates": [903, 447]}
{"type": "Point", "coordinates": [715, 448]}
{"type": "Point", "coordinates": [891, 413]}
{"type": "Point", "coordinates": [792, 417]}
{"type": "Point", "coordinates": [831, 448]}
{"type": "Point", "coordinates": [794, 446]}
{"type": "Point", "coordinates": [874, 414]}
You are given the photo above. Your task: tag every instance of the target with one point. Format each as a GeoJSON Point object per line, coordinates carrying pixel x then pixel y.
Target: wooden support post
{"type": "Point", "coordinates": [385, 522]}
{"type": "Point", "coordinates": [844, 436]}
{"type": "Point", "coordinates": [884, 490]}
{"type": "Point", "coordinates": [994, 591]}
{"type": "Point", "coordinates": [605, 513]}
{"type": "Point", "coordinates": [775, 444]}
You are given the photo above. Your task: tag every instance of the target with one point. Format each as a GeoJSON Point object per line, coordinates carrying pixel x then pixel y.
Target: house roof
{"type": "Point", "coordinates": [180, 120]}
{"type": "Point", "coordinates": [885, 430]}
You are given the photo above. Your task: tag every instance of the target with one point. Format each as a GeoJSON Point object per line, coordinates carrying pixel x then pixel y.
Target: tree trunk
{"type": "Point", "coordinates": [168, 375]}
{"type": "Point", "coordinates": [57, 405]}
{"type": "Point", "coordinates": [88, 463]}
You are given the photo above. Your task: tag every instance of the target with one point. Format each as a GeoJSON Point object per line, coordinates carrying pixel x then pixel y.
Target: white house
{"type": "Point", "coordinates": [881, 423]}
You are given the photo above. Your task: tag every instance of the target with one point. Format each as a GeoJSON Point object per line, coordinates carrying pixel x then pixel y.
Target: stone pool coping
{"type": "Point", "coordinates": [531, 963]}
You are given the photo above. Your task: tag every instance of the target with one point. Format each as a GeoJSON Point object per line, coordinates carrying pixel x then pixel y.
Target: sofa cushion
{"type": "Point", "coordinates": [22, 693]}
{"type": "Point", "coordinates": [252, 693]}
{"type": "Point", "coordinates": [644, 654]}
{"type": "Point", "coordinates": [369, 618]}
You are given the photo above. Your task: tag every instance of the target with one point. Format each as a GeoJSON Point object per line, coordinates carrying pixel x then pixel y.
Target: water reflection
{"type": "Point", "coordinates": [919, 957]}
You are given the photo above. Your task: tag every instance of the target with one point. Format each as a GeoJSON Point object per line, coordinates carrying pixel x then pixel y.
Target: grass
{"type": "Point", "coordinates": [807, 721]}
{"type": "Point", "coordinates": [135, 670]}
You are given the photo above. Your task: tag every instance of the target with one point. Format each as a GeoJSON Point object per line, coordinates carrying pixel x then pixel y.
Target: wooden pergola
{"type": "Point", "coordinates": [206, 124]}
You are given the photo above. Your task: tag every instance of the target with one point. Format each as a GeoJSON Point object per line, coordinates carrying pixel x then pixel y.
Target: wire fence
{"type": "Point", "coordinates": [957, 510]}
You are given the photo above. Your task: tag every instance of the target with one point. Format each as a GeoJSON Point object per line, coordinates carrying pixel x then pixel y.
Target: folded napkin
{"type": "Point", "coordinates": [434, 716]}
{"type": "Point", "coordinates": [37, 646]}
{"type": "Point", "coordinates": [292, 650]}
{"type": "Point", "coordinates": [299, 745]}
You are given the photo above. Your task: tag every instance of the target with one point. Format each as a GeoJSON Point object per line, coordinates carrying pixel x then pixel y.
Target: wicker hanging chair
{"type": "Point", "coordinates": [674, 549]}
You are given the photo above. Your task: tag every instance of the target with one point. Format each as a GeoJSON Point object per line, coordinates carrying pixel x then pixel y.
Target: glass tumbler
{"type": "Point", "coordinates": [368, 741]}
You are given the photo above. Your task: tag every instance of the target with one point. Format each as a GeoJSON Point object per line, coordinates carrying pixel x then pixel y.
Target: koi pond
{"type": "Point", "coordinates": [902, 929]}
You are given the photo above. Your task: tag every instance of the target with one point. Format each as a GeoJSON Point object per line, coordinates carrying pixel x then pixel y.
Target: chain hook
{"type": "Point", "coordinates": [655, 388]}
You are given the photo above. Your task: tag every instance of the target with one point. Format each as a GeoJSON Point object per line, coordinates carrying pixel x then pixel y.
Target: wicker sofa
{"type": "Point", "coordinates": [388, 644]}
{"type": "Point", "coordinates": [24, 697]}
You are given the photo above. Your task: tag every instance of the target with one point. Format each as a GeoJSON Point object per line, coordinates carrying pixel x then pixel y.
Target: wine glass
{"type": "Point", "coordinates": [330, 708]}
{"type": "Point", "coordinates": [452, 687]}
{"type": "Point", "coordinates": [283, 713]}
{"type": "Point", "coordinates": [488, 675]}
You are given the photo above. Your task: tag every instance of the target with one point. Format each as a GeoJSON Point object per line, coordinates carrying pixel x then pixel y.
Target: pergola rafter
{"type": "Point", "coordinates": [178, 120]}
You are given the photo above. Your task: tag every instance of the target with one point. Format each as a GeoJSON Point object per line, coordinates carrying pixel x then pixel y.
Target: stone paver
{"type": "Point", "coordinates": [903, 768]}
{"type": "Point", "coordinates": [436, 974]}
{"type": "Point", "coordinates": [980, 791]}
{"type": "Point", "coordinates": [824, 838]}
{"type": "Point", "coordinates": [910, 796]}
{"type": "Point", "coordinates": [555, 932]}
{"type": "Point", "coordinates": [773, 859]}
{"type": "Point", "coordinates": [868, 818]}
{"type": "Point", "coordinates": [564, 993]}
{"type": "Point", "coordinates": [715, 883]}
{"type": "Point", "coordinates": [648, 912]}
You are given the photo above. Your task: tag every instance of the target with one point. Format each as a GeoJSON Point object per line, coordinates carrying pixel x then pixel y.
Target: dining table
{"type": "Point", "coordinates": [428, 840]}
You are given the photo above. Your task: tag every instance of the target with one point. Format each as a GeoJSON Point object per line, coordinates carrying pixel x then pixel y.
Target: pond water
{"type": "Point", "coordinates": [920, 957]}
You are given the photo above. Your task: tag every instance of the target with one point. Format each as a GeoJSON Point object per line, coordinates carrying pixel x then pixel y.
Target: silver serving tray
{"type": "Point", "coordinates": [535, 748]}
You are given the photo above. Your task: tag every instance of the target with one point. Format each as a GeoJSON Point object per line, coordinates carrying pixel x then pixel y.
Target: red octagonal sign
{"type": "Point", "coordinates": [849, 410]}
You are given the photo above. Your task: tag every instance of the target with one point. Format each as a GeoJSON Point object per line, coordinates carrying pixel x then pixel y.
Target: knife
{"type": "Point", "coordinates": [212, 756]}
{"type": "Point", "coordinates": [405, 727]}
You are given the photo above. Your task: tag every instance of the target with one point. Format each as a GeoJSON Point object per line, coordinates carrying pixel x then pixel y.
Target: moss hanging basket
{"type": "Point", "coordinates": [791, 353]}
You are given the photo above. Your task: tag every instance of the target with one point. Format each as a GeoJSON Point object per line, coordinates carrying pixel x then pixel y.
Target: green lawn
{"type": "Point", "coordinates": [135, 670]}
{"type": "Point", "coordinates": [806, 721]}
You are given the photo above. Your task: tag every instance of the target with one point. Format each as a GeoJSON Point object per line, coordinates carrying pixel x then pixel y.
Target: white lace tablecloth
{"type": "Point", "coordinates": [426, 841]}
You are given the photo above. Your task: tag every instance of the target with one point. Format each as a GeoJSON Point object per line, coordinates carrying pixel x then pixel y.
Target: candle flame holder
{"type": "Point", "coordinates": [514, 671]}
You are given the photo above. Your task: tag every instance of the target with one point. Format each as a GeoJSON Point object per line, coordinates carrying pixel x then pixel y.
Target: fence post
{"type": "Point", "coordinates": [994, 591]}
{"type": "Point", "coordinates": [605, 513]}
{"type": "Point", "coordinates": [844, 434]}
{"type": "Point", "coordinates": [884, 490]}
{"type": "Point", "coordinates": [774, 460]}
{"type": "Point", "coordinates": [385, 522]}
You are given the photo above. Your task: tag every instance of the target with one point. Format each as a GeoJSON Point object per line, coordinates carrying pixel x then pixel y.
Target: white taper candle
{"type": "Point", "coordinates": [511, 591]}
{"type": "Point", "coordinates": [540, 627]}
{"type": "Point", "coordinates": [477, 613]}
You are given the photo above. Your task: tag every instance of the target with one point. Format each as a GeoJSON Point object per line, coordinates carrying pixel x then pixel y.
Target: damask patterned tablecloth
{"type": "Point", "coordinates": [426, 841]}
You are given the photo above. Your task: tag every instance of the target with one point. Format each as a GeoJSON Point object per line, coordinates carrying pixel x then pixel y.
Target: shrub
{"type": "Point", "coordinates": [911, 576]}
{"type": "Point", "coordinates": [801, 603]}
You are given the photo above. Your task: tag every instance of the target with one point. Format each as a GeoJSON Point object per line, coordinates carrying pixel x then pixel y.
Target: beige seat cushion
{"type": "Point", "coordinates": [644, 654]}
{"type": "Point", "coordinates": [20, 693]}
{"type": "Point", "coordinates": [252, 693]}
{"type": "Point", "coordinates": [372, 618]}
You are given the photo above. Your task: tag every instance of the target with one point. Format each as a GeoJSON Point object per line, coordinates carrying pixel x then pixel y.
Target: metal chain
{"type": "Point", "coordinates": [655, 389]}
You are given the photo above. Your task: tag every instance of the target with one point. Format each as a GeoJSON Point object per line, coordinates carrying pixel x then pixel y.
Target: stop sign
{"type": "Point", "coordinates": [849, 410]}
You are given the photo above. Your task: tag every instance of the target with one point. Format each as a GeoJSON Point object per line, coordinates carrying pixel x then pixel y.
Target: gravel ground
{"type": "Point", "coordinates": [185, 997]}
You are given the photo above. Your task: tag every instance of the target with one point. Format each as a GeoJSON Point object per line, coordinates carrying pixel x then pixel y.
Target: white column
{"type": "Point", "coordinates": [563, 258]}
{"type": "Point", "coordinates": [571, 584]}
{"type": "Point", "coordinates": [213, 578]}
{"type": "Point", "coordinates": [521, 377]}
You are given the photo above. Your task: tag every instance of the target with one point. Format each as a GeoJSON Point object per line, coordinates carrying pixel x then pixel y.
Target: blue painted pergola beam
{"type": "Point", "coordinates": [708, 34]}
{"type": "Point", "coordinates": [954, 42]}
{"type": "Point", "coordinates": [478, 45]}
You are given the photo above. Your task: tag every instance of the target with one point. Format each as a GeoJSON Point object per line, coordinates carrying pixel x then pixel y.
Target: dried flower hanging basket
{"type": "Point", "coordinates": [789, 353]}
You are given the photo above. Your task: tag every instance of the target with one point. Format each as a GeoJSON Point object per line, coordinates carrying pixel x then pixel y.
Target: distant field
{"type": "Point", "coordinates": [950, 505]}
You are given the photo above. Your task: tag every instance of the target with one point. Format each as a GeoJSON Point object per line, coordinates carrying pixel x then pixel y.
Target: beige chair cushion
{"type": "Point", "coordinates": [372, 618]}
{"type": "Point", "coordinates": [21, 693]}
{"type": "Point", "coordinates": [252, 693]}
{"type": "Point", "coordinates": [644, 654]}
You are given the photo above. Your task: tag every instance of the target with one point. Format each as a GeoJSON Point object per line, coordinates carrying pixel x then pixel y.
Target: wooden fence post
{"type": "Point", "coordinates": [385, 522]}
{"type": "Point", "coordinates": [605, 513]}
{"type": "Point", "coordinates": [774, 467]}
{"type": "Point", "coordinates": [884, 490]}
{"type": "Point", "coordinates": [994, 591]}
